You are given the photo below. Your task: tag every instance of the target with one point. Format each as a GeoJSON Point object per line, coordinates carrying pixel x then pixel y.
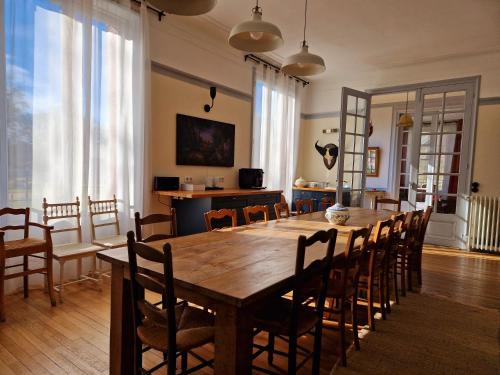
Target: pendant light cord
{"type": "Point", "coordinates": [305, 24]}
{"type": "Point", "coordinates": [406, 109]}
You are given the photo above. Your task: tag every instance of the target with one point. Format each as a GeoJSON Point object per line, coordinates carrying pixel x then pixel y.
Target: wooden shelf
{"type": "Point", "coordinates": [215, 193]}
{"type": "Point", "coordinates": [323, 190]}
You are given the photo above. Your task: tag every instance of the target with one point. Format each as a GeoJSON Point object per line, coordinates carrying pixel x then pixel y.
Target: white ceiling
{"type": "Point", "coordinates": [362, 36]}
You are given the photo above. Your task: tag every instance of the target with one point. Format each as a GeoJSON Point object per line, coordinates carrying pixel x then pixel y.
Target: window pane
{"type": "Point", "coordinates": [357, 181]}
{"type": "Point", "coordinates": [361, 107]}
{"type": "Point", "coordinates": [427, 183]}
{"type": "Point", "coordinates": [351, 104]}
{"type": "Point", "coordinates": [449, 164]}
{"type": "Point", "coordinates": [429, 143]}
{"type": "Point", "coordinates": [448, 184]}
{"type": "Point", "coordinates": [427, 164]}
{"type": "Point", "coordinates": [350, 124]}
{"type": "Point", "coordinates": [446, 204]}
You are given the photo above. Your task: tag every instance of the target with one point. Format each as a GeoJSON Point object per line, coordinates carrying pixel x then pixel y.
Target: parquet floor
{"type": "Point", "coordinates": [73, 338]}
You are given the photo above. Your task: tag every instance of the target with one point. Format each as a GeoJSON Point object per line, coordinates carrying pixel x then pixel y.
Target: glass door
{"type": "Point", "coordinates": [439, 160]}
{"type": "Point", "coordinates": [354, 132]}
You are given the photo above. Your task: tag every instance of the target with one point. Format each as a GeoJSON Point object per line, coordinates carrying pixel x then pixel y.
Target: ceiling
{"type": "Point", "coordinates": [359, 36]}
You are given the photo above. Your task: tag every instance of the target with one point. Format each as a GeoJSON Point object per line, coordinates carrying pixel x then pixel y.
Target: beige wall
{"type": "Point", "coordinates": [170, 96]}
{"type": "Point", "coordinates": [487, 151]}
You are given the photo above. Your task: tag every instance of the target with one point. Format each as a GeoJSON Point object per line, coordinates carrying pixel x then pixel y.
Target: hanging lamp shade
{"type": "Point", "coordinates": [255, 35]}
{"type": "Point", "coordinates": [405, 121]}
{"type": "Point", "coordinates": [184, 7]}
{"type": "Point", "coordinates": [303, 63]}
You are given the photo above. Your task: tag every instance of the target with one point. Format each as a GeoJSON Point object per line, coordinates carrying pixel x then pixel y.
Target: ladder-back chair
{"type": "Point", "coordinates": [382, 201]}
{"type": "Point", "coordinates": [152, 219]}
{"type": "Point", "coordinates": [106, 208]}
{"type": "Point", "coordinates": [223, 217]}
{"type": "Point", "coordinates": [251, 211]}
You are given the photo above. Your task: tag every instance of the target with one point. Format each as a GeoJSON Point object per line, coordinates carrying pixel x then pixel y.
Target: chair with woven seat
{"type": "Point", "coordinates": [153, 219]}
{"type": "Point", "coordinates": [107, 208]}
{"type": "Point", "coordinates": [419, 244]}
{"type": "Point", "coordinates": [282, 210]}
{"type": "Point", "coordinates": [406, 251]}
{"type": "Point", "coordinates": [27, 247]}
{"type": "Point", "coordinates": [383, 201]}
{"type": "Point", "coordinates": [290, 319]}
{"type": "Point", "coordinates": [342, 293]}
{"type": "Point", "coordinates": [175, 329]}
{"type": "Point", "coordinates": [392, 259]}
{"type": "Point", "coordinates": [222, 217]}
{"type": "Point", "coordinates": [373, 271]}
{"type": "Point", "coordinates": [69, 251]}
{"type": "Point", "coordinates": [252, 211]}
{"type": "Point", "coordinates": [304, 206]}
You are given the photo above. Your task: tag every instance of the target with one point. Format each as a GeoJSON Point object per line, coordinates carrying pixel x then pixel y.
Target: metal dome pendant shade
{"type": "Point", "coordinates": [255, 35]}
{"type": "Point", "coordinates": [185, 7]}
{"type": "Point", "coordinates": [405, 121]}
{"type": "Point", "coordinates": [303, 63]}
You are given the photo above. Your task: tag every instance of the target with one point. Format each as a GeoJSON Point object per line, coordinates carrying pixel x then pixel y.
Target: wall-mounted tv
{"type": "Point", "coordinates": [204, 142]}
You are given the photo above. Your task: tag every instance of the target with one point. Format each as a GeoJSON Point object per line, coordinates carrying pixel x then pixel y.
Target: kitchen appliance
{"type": "Point", "coordinates": [165, 183]}
{"type": "Point", "coordinates": [251, 178]}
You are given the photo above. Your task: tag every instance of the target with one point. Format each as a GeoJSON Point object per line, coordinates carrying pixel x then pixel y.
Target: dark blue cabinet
{"type": "Point", "coordinates": [317, 195]}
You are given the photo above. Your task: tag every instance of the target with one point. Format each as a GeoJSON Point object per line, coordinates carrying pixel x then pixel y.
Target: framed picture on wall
{"type": "Point", "coordinates": [373, 162]}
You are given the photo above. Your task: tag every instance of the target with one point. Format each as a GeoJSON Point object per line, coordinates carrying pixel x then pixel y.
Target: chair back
{"type": "Point", "coordinates": [382, 242]}
{"type": "Point", "coordinates": [304, 206]}
{"type": "Point", "coordinates": [312, 282]}
{"type": "Point", "coordinates": [423, 225]}
{"type": "Point", "coordinates": [381, 200]}
{"type": "Point", "coordinates": [57, 211]}
{"type": "Point", "coordinates": [222, 216]}
{"type": "Point", "coordinates": [17, 212]}
{"type": "Point", "coordinates": [252, 211]}
{"type": "Point", "coordinates": [348, 273]}
{"type": "Point", "coordinates": [326, 202]}
{"type": "Point", "coordinates": [282, 210]}
{"type": "Point", "coordinates": [141, 282]}
{"type": "Point", "coordinates": [156, 219]}
{"type": "Point", "coordinates": [103, 208]}
{"type": "Point", "coordinates": [413, 226]}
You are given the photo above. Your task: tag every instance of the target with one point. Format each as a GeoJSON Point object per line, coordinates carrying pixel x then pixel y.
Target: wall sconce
{"type": "Point", "coordinates": [213, 93]}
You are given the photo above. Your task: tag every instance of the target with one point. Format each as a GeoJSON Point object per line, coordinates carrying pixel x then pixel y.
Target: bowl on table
{"type": "Point", "coordinates": [337, 214]}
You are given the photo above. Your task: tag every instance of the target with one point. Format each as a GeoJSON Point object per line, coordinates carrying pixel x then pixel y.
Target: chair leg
{"type": "Point", "coordinates": [50, 281]}
{"type": "Point", "coordinates": [343, 349]}
{"type": "Point", "coordinates": [138, 357]}
{"type": "Point", "coordinates": [2, 273]}
{"type": "Point", "coordinates": [354, 312]}
{"type": "Point", "coordinates": [292, 353]}
{"type": "Point", "coordinates": [79, 268]}
{"type": "Point", "coordinates": [387, 300]}
{"type": "Point", "coordinates": [403, 275]}
{"type": "Point", "coordinates": [381, 286]}
{"type": "Point", "coordinates": [61, 280]}
{"type": "Point", "coordinates": [318, 330]}
{"type": "Point", "coordinates": [419, 268]}
{"type": "Point", "coordinates": [184, 361]}
{"type": "Point", "coordinates": [171, 362]}
{"type": "Point", "coordinates": [409, 272]}
{"type": "Point", "coordinates": [371, 318]}
{"type": "Point", "coordinates": [270, 352]}
{"type": "Point", "coordinates": [25, 278]}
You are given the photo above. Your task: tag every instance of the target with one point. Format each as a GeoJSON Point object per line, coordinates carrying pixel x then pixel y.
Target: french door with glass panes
{"type": "Point", "coordinates": [436, 161]}
{"type": "Point", "coordinates": [353, 147]}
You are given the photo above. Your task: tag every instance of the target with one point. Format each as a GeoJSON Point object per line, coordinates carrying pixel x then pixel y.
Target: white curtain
{"type": "Point", "coordinates": [77, 81]}
{"type": "Point", "coordinates": [276, 128]}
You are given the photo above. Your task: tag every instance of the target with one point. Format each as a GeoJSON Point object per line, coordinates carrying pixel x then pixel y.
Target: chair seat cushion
{"type": "Point", "coordinates": [111, 241]}
{"type": "Point", "coordinates": [194, 328]}
{"type": "Point", "coordinates": [75, 249]}
{"type": "Point", "coordinates": [275, 317]}
{"type": "Point", "coordinates": [24, 246]}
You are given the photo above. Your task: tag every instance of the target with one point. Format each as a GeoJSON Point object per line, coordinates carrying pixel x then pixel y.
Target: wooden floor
{"type": "Point", "coordinates": [73, 337]}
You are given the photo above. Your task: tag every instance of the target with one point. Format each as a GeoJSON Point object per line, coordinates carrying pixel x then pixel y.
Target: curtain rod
{"type": "Point", "coordinates": [159, 12]}
{"type": "Point", "coordinates": [259, 60]}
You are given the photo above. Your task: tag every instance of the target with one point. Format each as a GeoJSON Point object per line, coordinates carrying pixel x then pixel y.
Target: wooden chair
{"type": "Point", "coordinates": [326, 202]}
{"type": "Point", "coordinates": [223, 216]}
{"type": "Point", "coordinates": [106, 208]}
{"type": "Point", "coordinates": [26, 247]}
{"type": "Point", "coordinates": [382, 200]}
{"type": "Point", "coordinates": [71, 250]}
{"type": "Point", "coordinates": [406, 257]}
{"type": "Point", "coordinates": [259, 210]}
{"type": "Point", "coordinates": [304, 206]}
{"type": "Point", "coordinates": [173, 330]}
{"type": "Point", "coordinates": [342, 292]}
{"type": "Point", "coordinates": [156, 219]}
{"type": "Point", "coordinates": [282, 210]}
{"type": "Point", "coordinates": [290, 319]}
{"type": "Point", "coordinates": [418, 248]}
{"type": "Point", "coordinates": [392, 259]}
{"type": "Point", "coordinates": [373, 271]}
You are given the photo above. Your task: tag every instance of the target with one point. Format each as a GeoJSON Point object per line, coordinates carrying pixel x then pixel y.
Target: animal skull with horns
{"type": "Point", "coordinates": [329, 153]}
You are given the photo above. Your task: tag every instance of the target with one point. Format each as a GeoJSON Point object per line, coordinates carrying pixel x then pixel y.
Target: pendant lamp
{"type": "Point", "coordinates": [303, 63]}
{"type": "Point", "coordinates": [255, 35]}
{"type": "Point", "coordinates": [184, 7]}
{"type": "Point", "coordinates": [405, 121]}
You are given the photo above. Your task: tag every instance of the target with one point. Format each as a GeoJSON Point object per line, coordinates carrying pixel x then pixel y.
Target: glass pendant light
{"type": "Point", "coordinates": [255, 35]}
{"type": "Point", "coordinates": [303, 63]}
{"type": "Point", "coordinates": [184, 7]}
{"type": "Point", "coordinates": [405, 120]}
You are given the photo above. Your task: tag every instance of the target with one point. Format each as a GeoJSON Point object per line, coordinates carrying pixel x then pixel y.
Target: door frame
{"type": "Point", "coordinates": [475, 82]}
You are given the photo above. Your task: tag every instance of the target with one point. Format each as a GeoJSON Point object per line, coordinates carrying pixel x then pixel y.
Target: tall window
{"type": "Point", "coordinates": [276, 128]}
{"type": "Point", "coordinates": [74, 74]}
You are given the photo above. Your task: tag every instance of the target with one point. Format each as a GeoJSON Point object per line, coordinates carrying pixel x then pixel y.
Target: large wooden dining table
{"type": "Point", "coordinates": [231, 272]}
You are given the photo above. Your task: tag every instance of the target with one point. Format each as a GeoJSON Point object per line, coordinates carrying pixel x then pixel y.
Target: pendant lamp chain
{"type": "Point", "coordinates": [305, 25]}
{"type": "Point", "coordinates": [406, 109]}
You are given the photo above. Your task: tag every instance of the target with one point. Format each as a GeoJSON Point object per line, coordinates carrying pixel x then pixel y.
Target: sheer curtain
{"type": "Point", "coordinates": [276, 128]}
{"type": "Point", "coordinates": [77, 74]}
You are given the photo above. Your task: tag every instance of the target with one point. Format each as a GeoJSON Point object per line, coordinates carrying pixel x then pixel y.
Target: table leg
{"type": "Point", "coordinates": [233, 341]}
{"type": "Point", "coordinates": [121, 358]}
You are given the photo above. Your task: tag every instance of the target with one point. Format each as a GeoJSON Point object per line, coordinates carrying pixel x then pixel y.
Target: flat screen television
{"type": "Point", "coordinates": [204, 142]}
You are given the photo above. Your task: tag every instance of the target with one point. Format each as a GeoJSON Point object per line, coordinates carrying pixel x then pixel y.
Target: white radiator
{"type": "Point", "coordinates": [484, 223]}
